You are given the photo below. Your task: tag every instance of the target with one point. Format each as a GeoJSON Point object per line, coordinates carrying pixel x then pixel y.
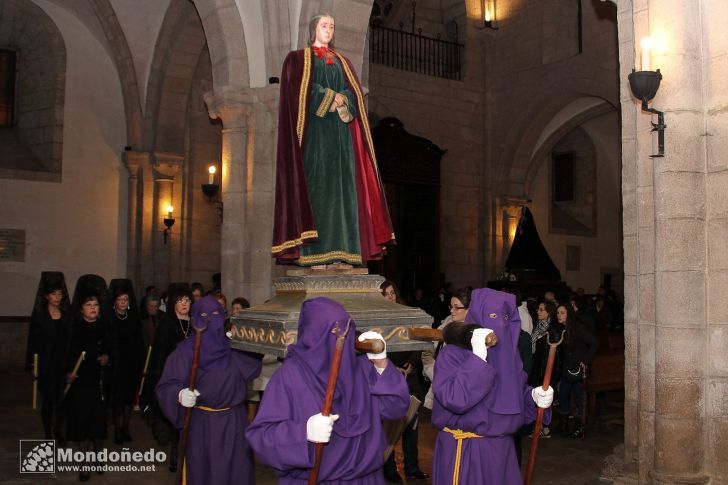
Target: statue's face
{"type": "Point", "coordinates": [324, 31]}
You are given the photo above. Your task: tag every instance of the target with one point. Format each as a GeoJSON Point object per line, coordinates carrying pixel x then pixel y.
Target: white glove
{"type": "Point", "coordinates": [477, 341]}
{"type": "Point", "coordinates": [543, 399]}
{"type": "Point", "coordinates": [371, 335]}
{"type": "Point", "coordinates": [188, 398]}
{"type": "Point", "coordinates": [319, 427]}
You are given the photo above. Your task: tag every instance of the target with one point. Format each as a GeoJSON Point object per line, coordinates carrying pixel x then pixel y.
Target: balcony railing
{"type": "Point", "coordinates": [416, 53]}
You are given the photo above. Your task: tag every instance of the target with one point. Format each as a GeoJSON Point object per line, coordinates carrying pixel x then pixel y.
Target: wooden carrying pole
{"type": "Point", "coordinates": [539, 417]}
{"type": "Point", "coordinates": [188, 411]}
{"type": "Point", "coordinates": [329, 398]}
{"type": "Point", "coordinates": [436, 335]}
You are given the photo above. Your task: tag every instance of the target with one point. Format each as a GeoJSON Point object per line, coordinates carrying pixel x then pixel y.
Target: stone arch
{"type": "Point", "coordinates": [225, 34]}
{"type": "Point", "coordinates": [125, 66]}
{"type": "Point", "coordinates": [174, 67]}
{"type": "Point", "coordinates": [527, 130]}
{"type": "Point", "coordinates": [568, 118]}
{"type": "Point", "coordinates": [34, 147]}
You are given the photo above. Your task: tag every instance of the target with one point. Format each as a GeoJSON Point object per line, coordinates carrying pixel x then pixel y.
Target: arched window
{"type": "Point", "coordinates": [8, 60]}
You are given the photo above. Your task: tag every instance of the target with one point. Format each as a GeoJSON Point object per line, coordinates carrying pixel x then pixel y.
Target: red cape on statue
{"type": "Point", "coordinates": [294, 223]}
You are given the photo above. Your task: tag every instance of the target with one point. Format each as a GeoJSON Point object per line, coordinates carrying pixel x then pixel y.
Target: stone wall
{"type": "Point", "coordinates": [77, 226]}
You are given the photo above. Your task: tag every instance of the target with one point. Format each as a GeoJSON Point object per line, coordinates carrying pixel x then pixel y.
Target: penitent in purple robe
{"type": "Point", "coordinates": [217, 451]}
{"type": "Point", "coordinates": [490, 399]}
{"type": "Point", "coordinates": [296, 392]}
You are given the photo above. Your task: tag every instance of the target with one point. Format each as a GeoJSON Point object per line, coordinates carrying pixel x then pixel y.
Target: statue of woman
{"type": "Point", "coordinates": [330, 205]}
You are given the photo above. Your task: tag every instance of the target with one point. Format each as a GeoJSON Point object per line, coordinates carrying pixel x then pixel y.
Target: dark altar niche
{"type": "Point", "coordinates": [528, 260]}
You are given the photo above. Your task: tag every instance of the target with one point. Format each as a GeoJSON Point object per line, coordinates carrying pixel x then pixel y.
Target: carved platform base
{"type": "Point", "coordinates": [271, 327]}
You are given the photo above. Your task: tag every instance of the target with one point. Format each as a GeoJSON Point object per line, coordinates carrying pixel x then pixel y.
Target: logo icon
{"type": "Point", "coordinates": [37, 456]}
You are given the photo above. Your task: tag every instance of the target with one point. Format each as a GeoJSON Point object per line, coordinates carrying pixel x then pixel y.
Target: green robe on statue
{"type": "Point", "coordinates": [328, 160]}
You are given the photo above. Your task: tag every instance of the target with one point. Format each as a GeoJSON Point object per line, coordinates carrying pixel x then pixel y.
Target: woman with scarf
{"type": "Point", "coordinates": [482, 398]}
{"type": "Point", "coordinates": [289, 421]}
{"type": "Point", "coordinates": [217, 451]}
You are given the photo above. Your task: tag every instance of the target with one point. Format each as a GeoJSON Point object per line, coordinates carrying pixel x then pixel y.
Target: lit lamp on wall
{"type": "Point", "coordinates": [210, 189]}
{"type": "Point", "coordinates": [644, 85]}
{"type": "Point", "coordinates": [168, 221]}
{"type": "Point", "coordinates": [487, 14]}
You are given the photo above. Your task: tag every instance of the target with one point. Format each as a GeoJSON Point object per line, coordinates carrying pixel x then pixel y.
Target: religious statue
{"type": "Point", "coordinates": [330, 205]}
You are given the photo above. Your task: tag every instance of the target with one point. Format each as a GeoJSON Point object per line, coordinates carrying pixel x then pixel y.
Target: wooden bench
{"type": "Point", "coordinates": [606, 372]}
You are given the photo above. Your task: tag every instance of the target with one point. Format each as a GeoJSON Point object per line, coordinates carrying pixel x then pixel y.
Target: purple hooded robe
{"type": "Point", "coordinates": [489, 399]}
{"type": "Point", "coordinates": [217, 451]}
{"type": "Point", "coordinates": [296, 392]}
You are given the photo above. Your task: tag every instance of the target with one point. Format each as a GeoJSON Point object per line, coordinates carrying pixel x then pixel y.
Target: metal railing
{"type": "Point", "coordinates": [416, 53]}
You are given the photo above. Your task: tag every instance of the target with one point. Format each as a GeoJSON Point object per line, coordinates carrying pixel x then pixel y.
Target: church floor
{"type": "Point", "coordinates": [560, 460]}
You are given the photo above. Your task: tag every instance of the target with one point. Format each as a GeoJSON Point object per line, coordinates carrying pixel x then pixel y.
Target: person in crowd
{"type": "Point", "coordinates": [289, 422]}
{"type": "Point", "coordinates": [150, 324]}
{"type": "Point", "coordinates": [197, 291]}
{"type": "Point", "coordinates": [49, 329]}
{"type": "Point", "coordinates": [482, 398]}
{"type": "Point", "coordinates": [329, 202]}
{"type": "Point", "coordinates": [550, 296]}
{"type": "Point", "coordinates": [410, 365]}
{"type": "Point", "coordinates": [604, 315]}
{"type": "Point", "coordinates": [578, 350]}
{"type": "Point", "coordinates": [222, 299]}
{"type": "Point", "coordinates": [87, 398]}
{"type": "Point", "coordinates": [217, 451]}
{"type": "Point", "coordinates": [581, 308]}
{"type": "Point", "coordinates": [421, 301]}
{"type": "Point", "coordinates": [172, 330]}
{"type": "Point", "coordinates": [239, 304]}
{"type": "Point", "coordinates": [523, 314]}
{"type": "Point", "coordinates": [459, 306]}
{"type": "Point", "coordinates": [149, 291]}
{"type": "Point", "coordinates": [216, 284]}
{"type": "Point", "coordinates": [546, 327]}
{"type": "Point", "coordinates": [127, 354]}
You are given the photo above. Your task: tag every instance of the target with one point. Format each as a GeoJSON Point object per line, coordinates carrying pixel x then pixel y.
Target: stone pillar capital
{"type": "Point", "coordinates": [511, 205]}
{"type": "Point", "coordinates": [166, 165]}
{"type": "Point", "coordinates": [233, 104]}
{"type": "Point", "coordinates": [135, 160]}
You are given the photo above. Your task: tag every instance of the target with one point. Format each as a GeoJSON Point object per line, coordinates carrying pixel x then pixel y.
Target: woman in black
{"type": "Point", "coordinates": [546, 327]}
{"type": "Point", "coordinates": [88, 394]}
{"type": "Point", "coordinates": [128, 354]}
{"type": "Point", "coordinates": [48, 338]}
{"type": "Point", "coordinates": [578, 349]}
{"type": "Point", "coordinates": [172, 329]}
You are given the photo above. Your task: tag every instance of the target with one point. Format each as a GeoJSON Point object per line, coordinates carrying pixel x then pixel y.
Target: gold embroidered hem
{"type": "Point", "coordinates": [329, 257]}
{"type": "Point", "coordinates": [303, 95]}
{"type": "Point", "coordinates": [323, 108]}
{"type": "Point", "coordinates": [295, 242]}
{"type": "Point", "coordinates": [459, 435]}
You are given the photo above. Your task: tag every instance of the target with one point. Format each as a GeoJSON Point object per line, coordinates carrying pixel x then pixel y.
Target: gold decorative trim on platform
{"type": "Point", "coordinates": [311, 291]}
{"type": "Point", "coordinates": [294, 242]}
{"type": "Point", "coordinates": [400, 332]}
{"type": "Point", "coordinates": [264, 336]}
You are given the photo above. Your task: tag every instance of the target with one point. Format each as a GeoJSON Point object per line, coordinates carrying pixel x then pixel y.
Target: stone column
{"type": "Point", "coordinates": [134, 161]}
{"type": "Point", "coordinates": [680, 248]}
{"type": "Point", "coordinates": [165, 169]}
{"type": "Point", "coordinates": [510, 214]}
{"type": "Point", "coordinates": [248, 141]}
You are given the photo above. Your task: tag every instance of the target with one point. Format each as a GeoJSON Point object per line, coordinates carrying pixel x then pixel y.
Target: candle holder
{"type": "Point", "coordinates": [169, 222]}
{"type": "Point", "coordinates": [210, 190]}
{"type": "Point", "coordinates": [644, 86]}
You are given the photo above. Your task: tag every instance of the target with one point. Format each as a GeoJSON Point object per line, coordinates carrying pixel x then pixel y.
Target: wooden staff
{"type": "Point", "coordinates": [188, 411]}
{"type": "Point", "coordinates": [144, 375]}
{"type": "Point", "coordinates": [329, 398]}
{"type": "Point", "coordinates": [539, 417]}
{"type": "Point", "coordinates": [436, 335]}
{"type": "Point", "coordinates": [74, 372]}
{"type": "Point", "coordinates": [35, 381]}
{"type": "Point", "coordinates": [369, 346]}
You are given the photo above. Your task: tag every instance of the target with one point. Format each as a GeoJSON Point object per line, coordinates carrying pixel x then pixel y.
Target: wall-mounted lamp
{"type": "Point", "coordinates": [210, 189]}
{"type": "Point", "coordinates": [168, 221]}
{"type": "Point", "coordinates": [644, 85]}
{"type": "Point", "coordinates": [487, 14]}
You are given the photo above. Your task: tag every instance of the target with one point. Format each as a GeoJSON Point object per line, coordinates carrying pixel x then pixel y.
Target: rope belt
{"type": "Point", "coordinates": [459, 435]}
{"type": "Point", "coordinates": [211, 410]}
